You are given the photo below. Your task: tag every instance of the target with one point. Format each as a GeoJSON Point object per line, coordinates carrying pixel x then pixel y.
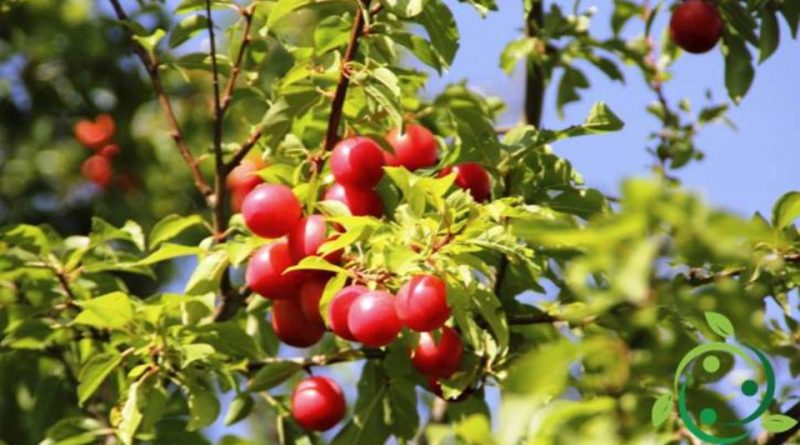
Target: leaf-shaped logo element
{"type": "Point", "coordinates": [719, 324]}
{"type": "Point", "coordinates": [661, 409]}
{"type": "Point", "coordinates": [778, 423]}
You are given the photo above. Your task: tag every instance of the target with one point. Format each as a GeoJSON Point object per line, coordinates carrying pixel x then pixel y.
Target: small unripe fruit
{"type": "Point", "coordinates": [357, 162]}
{"type": "Point", "coordinates": [271, 210]}
{"type": "Point", "coordinates": [441, 359]}
{"type": "Point", "coordinates": [422, 303]}
{"type": "Point", "coordinates": [361, 202]}
{"type": "Point", "coordinates": [265, 272]}
{"type": "Point", "coordinates": [291, 325]}
{"type": "Point", "coordinates": [373, 320]}
{"type": "Point", "coordinates": [472, 177]}
{"type": "Point", "coordinates": [414, 149]}
{"type": "Point", "coordinates": [318, 403]}
{"type": "Point", "coordinates": [696, 26]}
{"type": "Point", "coordinates": [98, 170]}
{"type": "Point", "coordinates": [339, 309]}
{"type": "Point", "coordinates": [97, 134]}
{"type": "Point", "coordinates": [310, 294]}
{"type": "Point", "coordinates": [307, 237]}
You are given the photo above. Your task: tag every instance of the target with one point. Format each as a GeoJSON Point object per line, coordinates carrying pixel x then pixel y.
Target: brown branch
{"type": "Point", "coordinates": [337, 106]}
{"type": "Point", "coordinates": [243, 151]}
{"type": "Point", "coordinates": [247, 14]}
{"type": "Point", "coordinates": [780, 438]}
{"type": "Point", "coordinates": [151, 66]}
{"type": "Point", "coordinates": [698, 277]}
{"type": "Point", "coordinates": [218, 203]}
{"type": "Point", "coordinates": [534, 101]}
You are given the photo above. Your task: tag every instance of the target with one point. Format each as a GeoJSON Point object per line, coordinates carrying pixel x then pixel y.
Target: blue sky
{"type": "Point", "coordinates": [744, 170]}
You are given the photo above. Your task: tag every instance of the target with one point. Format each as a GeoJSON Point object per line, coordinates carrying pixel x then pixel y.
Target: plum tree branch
{"type": "Point", "coordinates": [337, 106]}
{"type": "Point", "coordinates": [534, 100]}
{"type": "Point", "coordinates": [698, 277]}
{"type": "Point", "coordinates": [218, 203]}
{"type": "Point", "coordinates": [151, 66]}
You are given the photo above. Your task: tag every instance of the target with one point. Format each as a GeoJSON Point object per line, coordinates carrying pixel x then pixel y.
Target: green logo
{"type": "Point", "coordinates": [704, 363]}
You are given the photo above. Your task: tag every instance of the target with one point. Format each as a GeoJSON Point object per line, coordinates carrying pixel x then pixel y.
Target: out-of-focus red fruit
{"type": "Point", "coordinates": [361, 202]}
{"type": "Point", "coordinates": [292, 327]}
{"type": "Point", "coordinates": [307, 237]}
{"type": "Point", "coordinates": [237, 199]}
{"type": "Point", "coordinates": [310, 294]}
{"type": "Point", "coordinates": [422, 303]}
{"type": "Point", "coordinates": [245, 176]}
{"type": "Point", "coordinates": [318, 403]}
{"type": "Point", "coordinates": [339, 309]}
{"type": "Point", "coordinates": [127, 182]}
{"type": "Point", "coordinates": [265, 274]}
{"type": "Point", "coordinates": [441, 359]}
{"type": "Point", "coordinates": [98, 170]}
{"type": "Point", "coordinates": [109, 151]}
{"type": "Point", "coordinates": [389, 159]}
{"type": "Point", "coordinates": [435, 387]}
{"type": "Point", "coordinates": [271, 210]}
{"type": "Point", "coordinates": [357, 162]}
{"type": "Point", "coordinates": [696, 26]}
{"type": "Point", "coordinates": [414, 149]}
{"type": "Point", "coordinates": [373, 320]}
{"type": "Point", "coordinates": [95, 134]}
{"type": "Point", "coordinates": [472, 177]}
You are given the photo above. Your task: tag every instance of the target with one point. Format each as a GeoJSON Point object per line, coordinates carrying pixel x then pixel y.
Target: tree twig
{"type": "Point", "coordinates": [337, 106]}
{"type": "Point", "coordinates": [151, 66]}
{"type": "Point", "coordinates": [218, 203]}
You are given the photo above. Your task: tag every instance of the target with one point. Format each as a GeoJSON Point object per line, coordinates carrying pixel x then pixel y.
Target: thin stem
{"type": "Point", "coordinates": [243, 151]}
{"type": "Point", "coordinates": [337, 106]}
{"type": "Point", "coordinates": [151, 66]}
{"type": "Point", "coordinates": [247, 13]}
{"type": "Point", "coordinates": [219, 178]}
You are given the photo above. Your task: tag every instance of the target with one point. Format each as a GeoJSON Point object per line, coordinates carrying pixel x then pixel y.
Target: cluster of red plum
{"type": "Point", "coordinates": [374, 317]}
{"type": "Point", "coordinates": [98, 135]}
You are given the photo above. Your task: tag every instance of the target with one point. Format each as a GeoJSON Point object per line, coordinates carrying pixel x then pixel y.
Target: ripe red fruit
{"type": "Point", "coordinates": [271, 210]}
{"type": "Point", "coordinates": [357, 162]}
{"type": "Point", "coordinates": [422, 303]}
{"type": "Point", "coordinates": [472, 177]}
{"type": "Point", "coordinates": [373, 320]}
{"type": "Point", "coordinates": [389, 159]}
{"type": "Point", "coordinates": [95, 134]}
{"type": "Point", "coordinates": [307, 237]}
{"type": "Point", "coordinates": [310, 294]}
{"type": "Point", "coordinates": [438, 360]}
{"type": "Point", "coordinates": [415, 149]}
{"type": "Point", "coordinates": [361, 202]}
{"type": "Point", "coordinates": [339, 309]}
{"type": "Point", "coordinates": [292, 327]}
{"type": "Point", "coordinates": [244, 177]}
{"type": "Point", "coordinates": [109, 151]}
{"type": "Point", "coordinates": [265, 272]}
{"type": "Point", "coordinates": [98, 170]}
{"type": "Point", "coordinates": [696, 26]}
{"type": "Point", "coordinates": [318, 403]}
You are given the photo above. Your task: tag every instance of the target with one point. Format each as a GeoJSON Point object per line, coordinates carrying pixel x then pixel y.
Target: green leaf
{"type": "Point", "coordinates": [150, 42]}
{"type": "Point", "coordinates": [791, 12]}
{"type": "Point", "coordinates": [404, 8]}
{"type": "Point", "coordinates": [662, 408]}
{"type": "Point", "coordinates": [130, 416]}
{"type": "Point", "coordinates": [719, 324]}
{"type": "Point", "coordinates": [786, 210]}
{"type": "Point", "coordinates": [28, 237]}
{"type": "Point", "coordinates": [368, 426]}
{"type": "Point", "coordinates": [170, 227]}
{"type": "Point", "coordinates": [284, 7]}
{"type": "Point", "coordinates": [207, 275]}
{"type": "Point", "coordinates": [739, 72]}
{"type": "Point", "coordinates": [166, 252]}
{"type": "Point", "coordinates": [272, 375]}
{"type": "Point", "coordinates": [778, 423]}
{"type": "Point", "coordinates": [240, 408]}
{"type": "Point", "coordinates": [186, 28]}
{"type": "Point", "coordinates": [438, 21]}
{"type": "Point", "coordinates": [203, 406]}
{"type": "Point", "coordinates": [770, 34]}
{"type": "Point", "coordinates": [601, 119]}
{"type": "Point", "coordinates": [568, 87]}
{"type": "Point", "coordinates": [518, 49]}
{"type": "Point", "coordinates": [103, 232]}
{"type": "Point", "coordinates": [94, 372]}
{"type": "Point", "coordinates": [110, 311]}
